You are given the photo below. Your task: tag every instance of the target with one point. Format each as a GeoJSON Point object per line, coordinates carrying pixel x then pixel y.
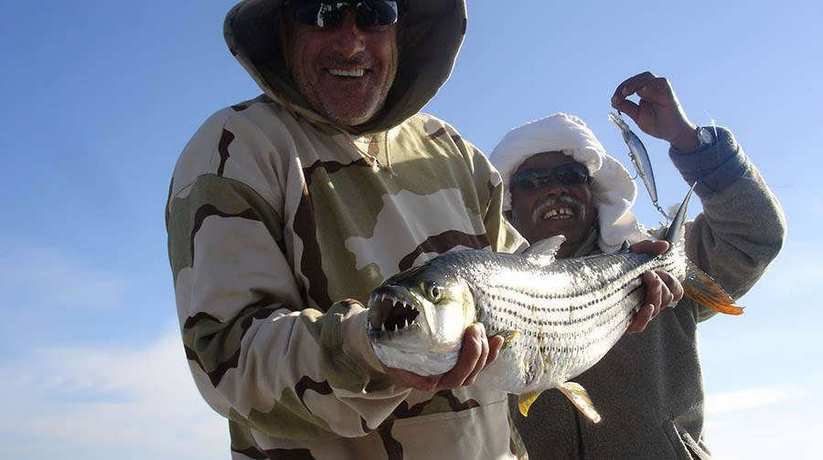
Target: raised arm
{"type": "Point", "coordinates": [742, 226]}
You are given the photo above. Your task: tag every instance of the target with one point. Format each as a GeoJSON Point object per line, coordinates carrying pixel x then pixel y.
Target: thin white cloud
{"type": "Point", "coordinates": [768, 436]}
{"type": "Point", "coordinates": [752, 398]}
{"type": "Point", "coordinates": [139, 402]}
{"type": "Point", "coordinates": [775, 421]}
{"type": "Point", "coordinates": [36, 278]}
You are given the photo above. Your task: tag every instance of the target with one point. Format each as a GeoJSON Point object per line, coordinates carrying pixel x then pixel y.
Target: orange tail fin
{"type": "Point", "coordinates": [703, 289]}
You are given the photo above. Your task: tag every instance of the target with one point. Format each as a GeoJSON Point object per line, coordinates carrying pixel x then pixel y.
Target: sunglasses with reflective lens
{"type": "Point", "coordinates": [330, 13]}
{"type": "Point", "coordinates": [566, 174]}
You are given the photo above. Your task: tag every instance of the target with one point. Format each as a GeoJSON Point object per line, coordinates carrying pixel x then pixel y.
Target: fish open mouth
{"type": "Point", "coordinates": [390, 313]}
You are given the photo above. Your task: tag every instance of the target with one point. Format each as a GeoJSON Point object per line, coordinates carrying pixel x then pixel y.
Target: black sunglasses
{"type": "Point", "coordinates": [330, 13]}
{"type": "Point", "coordinates": [566, 174]}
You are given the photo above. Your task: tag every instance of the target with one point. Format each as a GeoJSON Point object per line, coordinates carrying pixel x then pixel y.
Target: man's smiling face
{"type": "Point", "coordinates": [545, 208]}
{"type": "Point", "coordinates": [344, 72]}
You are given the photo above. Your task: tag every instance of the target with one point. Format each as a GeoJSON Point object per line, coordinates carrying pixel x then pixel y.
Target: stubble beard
{"type": "Point", "coordinates": [356, 112]}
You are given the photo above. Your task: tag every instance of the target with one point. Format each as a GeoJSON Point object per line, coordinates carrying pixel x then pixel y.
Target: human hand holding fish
{"type": "Point", "coordinates": [662, 290]}
{"type": "Point", "coordinates": [476, 353]}
{"type": "Point", "coordinates": [658, 113]}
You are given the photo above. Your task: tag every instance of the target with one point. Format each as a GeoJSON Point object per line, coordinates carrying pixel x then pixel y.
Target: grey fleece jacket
{"type": "Point", "coordinates": [649, 387]}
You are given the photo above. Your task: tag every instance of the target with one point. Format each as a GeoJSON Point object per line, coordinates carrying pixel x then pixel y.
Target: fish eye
{"type": "Point", "coordinates": [434, 292]}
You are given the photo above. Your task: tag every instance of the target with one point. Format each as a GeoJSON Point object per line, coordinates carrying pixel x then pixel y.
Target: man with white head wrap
{"type": "Point", "coordinates": [648, 388]}
{"type": "Point", "coordinates": [613, 190]}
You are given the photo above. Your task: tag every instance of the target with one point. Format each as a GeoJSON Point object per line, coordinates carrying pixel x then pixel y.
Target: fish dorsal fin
{"type": "Point", "coordinates": [526, 400]}
{"type": "Point", "coordinates": [578, 396]}
{"type": "Point", "coordinates": [677, 229]}
{"type": "Point", "coordinates": [544, 251]}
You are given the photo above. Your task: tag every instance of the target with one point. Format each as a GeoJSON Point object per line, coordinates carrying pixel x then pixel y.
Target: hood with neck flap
{"type": "Point", "coordinates": [429, 36]}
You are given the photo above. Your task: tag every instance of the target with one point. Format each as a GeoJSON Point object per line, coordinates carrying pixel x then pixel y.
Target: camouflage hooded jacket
{"type": "Point", "coordinates": [276, 217]}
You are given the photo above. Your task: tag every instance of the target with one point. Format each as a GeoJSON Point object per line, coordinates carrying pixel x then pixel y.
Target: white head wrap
{"type": "Point", "coordinates": [613, 190]}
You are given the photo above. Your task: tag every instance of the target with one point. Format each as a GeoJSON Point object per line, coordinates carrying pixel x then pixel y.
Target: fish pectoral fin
{"type": "Point", "coordinates": [525, 401]}
{"type": "Point", "coordinates": [578, 396]}
{"type": "Point", "coordinates": [625, 247]}
{"type": "Point", "coordinates": [703, 289]}
{"type": "Point", "coordinates": [508, 338]}
{"type": "Point", "coordinates": [544, 252]}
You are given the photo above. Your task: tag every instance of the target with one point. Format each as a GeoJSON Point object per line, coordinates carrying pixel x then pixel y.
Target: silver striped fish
{"type": "Point", "coordinates": [558, 317]}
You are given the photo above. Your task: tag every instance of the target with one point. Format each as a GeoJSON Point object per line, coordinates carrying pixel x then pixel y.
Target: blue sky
{"type": "Point", "coordinates": [99, 98]}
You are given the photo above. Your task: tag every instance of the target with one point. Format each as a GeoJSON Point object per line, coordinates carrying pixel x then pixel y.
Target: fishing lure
{"type": "Point", "coordinates": [640, 158]}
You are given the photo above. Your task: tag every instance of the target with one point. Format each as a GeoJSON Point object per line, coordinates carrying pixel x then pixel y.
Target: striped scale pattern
{"type": "Point", "coordinates": [566, 314]}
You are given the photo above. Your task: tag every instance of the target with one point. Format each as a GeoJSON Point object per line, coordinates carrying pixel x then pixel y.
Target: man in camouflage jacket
{"type": "Point", "coordinates": [286, 211]}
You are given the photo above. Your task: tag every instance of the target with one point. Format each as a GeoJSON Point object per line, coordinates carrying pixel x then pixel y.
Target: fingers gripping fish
{"type": "Point", "coordinates": [558, 317]}
{"type": "Point", "coordinates": [640, 157]}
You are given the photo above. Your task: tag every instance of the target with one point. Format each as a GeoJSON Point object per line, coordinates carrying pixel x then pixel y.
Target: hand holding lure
{"type": "Point", "coordinates": [640, 158]}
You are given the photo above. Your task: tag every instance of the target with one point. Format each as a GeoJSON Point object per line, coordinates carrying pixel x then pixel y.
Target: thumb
{"type": "Point", "coordinates": [628, 107]}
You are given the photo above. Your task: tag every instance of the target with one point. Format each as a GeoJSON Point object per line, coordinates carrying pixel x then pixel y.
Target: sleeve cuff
{"type": "Point", "coordinates": [356, 342]}
{"type": "Point", "coordinates": [715, 166]}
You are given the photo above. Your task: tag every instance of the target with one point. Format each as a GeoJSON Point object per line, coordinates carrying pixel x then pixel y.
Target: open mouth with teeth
{"type": "Point", "coordinates": [416, 321]}
{"type": "Point", "coordinates": [558, 209]}
{"type": "Point", "coordinates": [347, 73]}
{"type": "Point", "coordinates": [390, 313]}
{"type": "Point", "coordinates": [559, 214]}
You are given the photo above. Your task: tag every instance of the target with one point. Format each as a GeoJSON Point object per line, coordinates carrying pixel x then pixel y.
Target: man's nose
{"type": "Point", "coordinates": [349, 38]}
{"type": "Point", "coordinates": [554, 188]}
